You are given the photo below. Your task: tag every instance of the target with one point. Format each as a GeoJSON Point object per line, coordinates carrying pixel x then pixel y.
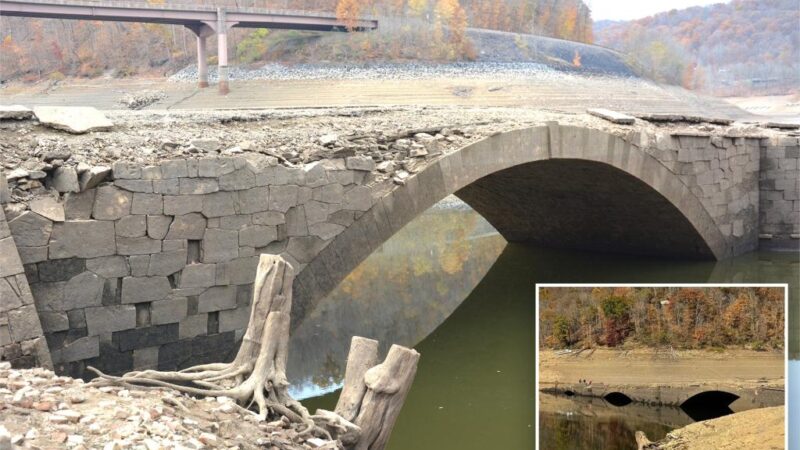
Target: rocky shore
{"type": "Point", "coordinates": [39, 409]}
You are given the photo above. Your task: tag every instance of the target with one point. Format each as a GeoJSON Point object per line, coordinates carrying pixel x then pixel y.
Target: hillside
{"type": "Point", "coordinates": [743, 47]}
{"type": "Point", "coordinates": [410, 30]}
{"type": "Point", "coordinates": [689, 318]}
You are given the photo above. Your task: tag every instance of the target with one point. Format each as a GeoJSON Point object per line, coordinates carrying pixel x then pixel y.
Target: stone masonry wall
{"type": "Point", "coordinates": [21, 338]}
{"type": "Point", "coordinates": [779, 215]}
{"type": "Point", "coordinates": [722, 172]}
{"type": "Point", "coordinates": [154, 267]}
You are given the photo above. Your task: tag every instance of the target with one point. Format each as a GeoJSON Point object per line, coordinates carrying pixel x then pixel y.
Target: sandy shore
{"type": "Point", "coordinates": [757, 429]}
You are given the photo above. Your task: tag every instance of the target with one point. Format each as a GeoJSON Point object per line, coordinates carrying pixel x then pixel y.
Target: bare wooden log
{"type": "Point", "coordinates": [362, 357]}
{"type": "Point", "coordinates": [387, 386]}
{"type": "Point", "coordinates": [339, 428]}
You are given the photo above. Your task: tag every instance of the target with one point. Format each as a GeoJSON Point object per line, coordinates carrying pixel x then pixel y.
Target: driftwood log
{"type": "Point", "coordinates": [372, 396]}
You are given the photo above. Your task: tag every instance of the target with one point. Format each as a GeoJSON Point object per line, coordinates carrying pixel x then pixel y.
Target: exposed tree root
{"type": "Point", "coordinates": [258, 373]}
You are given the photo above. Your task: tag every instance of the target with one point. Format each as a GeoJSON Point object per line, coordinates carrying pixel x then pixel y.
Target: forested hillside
{"type": "Point", "coordinates": [738, 48]}
{"type": "Point", "coordinates": [678, 317]}
{"type": "Point", "coordinates": [428, 30]}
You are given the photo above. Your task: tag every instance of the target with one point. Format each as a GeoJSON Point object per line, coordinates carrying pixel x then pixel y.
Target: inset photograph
{"type": "Point", "coordinates": [661, 367]}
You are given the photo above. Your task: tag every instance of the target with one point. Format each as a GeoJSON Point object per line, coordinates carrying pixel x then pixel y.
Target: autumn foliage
{"type": "Point", "coordinates": [430, 30]}
{"type": "Point", "coordinates": [740, 47]}
{"type": "Point", "coordinates": [678, 317]}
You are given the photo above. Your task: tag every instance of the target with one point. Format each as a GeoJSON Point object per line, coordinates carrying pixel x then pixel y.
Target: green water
{"type": "Point", "coordinates": [474, 387]}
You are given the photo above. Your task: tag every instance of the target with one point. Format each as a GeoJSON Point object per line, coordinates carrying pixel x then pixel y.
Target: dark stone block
{"type": "Point", "coordinates": [145, 337]}
{"type": "Point", "coordinates": [77, 318]}
{"type": "Point", "coordinates": [111, 360]}
{"type": "Point", "coordinates": [192, 303]}
{"type": "Point", "coordinates": [61, 269]}
{"type": "Point", "coordinates": [59, 339]}
{"type": "Point", "coordinates": [112, 292]}
{"type": "Point", "coordinates": [31, 273]}
{"type": "Point", "coordinates": [218, 345]}
{"type": "Point", "coordinates": [243, 294]}
{"type": "Point", "coordinates": [213, 323]}
{"type": "Point", "coordinates": [175, 355]}
{"type": "Point", "coordinates": [793, 152]}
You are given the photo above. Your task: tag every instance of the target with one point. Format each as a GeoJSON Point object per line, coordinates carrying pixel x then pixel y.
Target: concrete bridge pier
{"type": "Point", "coordinates": [222, 51]}
{"type": "Point", "coordinates": [202, 32]}
{"type": "Point", "coordinates": [202, 62]}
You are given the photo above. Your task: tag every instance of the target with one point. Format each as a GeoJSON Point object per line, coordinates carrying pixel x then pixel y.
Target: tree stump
{"type": "Point", "coordinates": [258, 373]}
{"type": "Point", "coordinates": [372, 397]}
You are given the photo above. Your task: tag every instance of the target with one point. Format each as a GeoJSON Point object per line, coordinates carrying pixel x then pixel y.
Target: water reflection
{"type": "Point", "coordinates": [400, 294]}
{"type": "Point", "coordinates": [474, 388]}
{"type": "Point", "coordinates": [589, 423]}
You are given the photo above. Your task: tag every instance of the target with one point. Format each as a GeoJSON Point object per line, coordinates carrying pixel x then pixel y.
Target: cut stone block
{"type": "Point", "coordinates": [111, 203]}
{"type": "Point", "coordinates": [48, 207]}
{"type": "Point", "coordinates": [93, 177]}
{"type": "Point", "coordinates": [82, 238]}
{"type": "Point", "coordinates": [109, 266]}
{"type": "Point", "coordinates": [220, 245]}
{"type": "Point", "coordinates": [144, 289]}
{"type": "Point", "coordinates": [83, 290]}
{"type": "Point", "coordinates": [187, 226]}
{"type": "Point", "coordinates": [131, 226]}
{"type": "Point", "coordinates": [30, 229]}
{"type": "Point", "coordinates": [10, 263]}
{"type": "Point", "coordinates": [198, 275]}
{"type": "Point", "coordinates": [65, 179]}
{"type": "Point", "coordinates": [107, 319]}
{"type": "Point", "coordinates": [171, 310]}
{"type": "Point", "coordinates": [217, 298]}
{"type": "Point", "coordinates": [167, 263]}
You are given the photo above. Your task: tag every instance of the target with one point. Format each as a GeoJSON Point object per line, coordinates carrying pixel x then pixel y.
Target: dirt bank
{"type": "Point", "coordinates": [757, 429]}
{"type": "Point", "coordinates": [648, 366]}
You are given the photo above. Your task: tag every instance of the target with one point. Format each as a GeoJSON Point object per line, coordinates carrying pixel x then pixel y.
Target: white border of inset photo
{"type": "Point", "coordinates": [785, 287]}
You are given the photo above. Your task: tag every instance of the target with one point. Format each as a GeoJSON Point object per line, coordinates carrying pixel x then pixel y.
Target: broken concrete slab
{"type": "Point", "coordinates": [73, 119]}
{"type": "Point", "coordinates": [612, 116]}
{"type": "Point", "coordinates": [15, 112]}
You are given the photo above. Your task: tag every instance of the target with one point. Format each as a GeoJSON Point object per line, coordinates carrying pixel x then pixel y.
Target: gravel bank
{"type": "Point", "coordinates": [381, 71]}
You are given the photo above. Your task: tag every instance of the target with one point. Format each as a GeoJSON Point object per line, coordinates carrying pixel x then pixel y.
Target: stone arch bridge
{"type": "Point", "coordinates": [152, 266]}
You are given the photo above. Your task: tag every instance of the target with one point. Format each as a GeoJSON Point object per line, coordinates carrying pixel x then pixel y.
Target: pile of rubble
{"type": "Point", "coordinates": [142, 99]}
{"type": "Point", "coordinates": [39, 409]}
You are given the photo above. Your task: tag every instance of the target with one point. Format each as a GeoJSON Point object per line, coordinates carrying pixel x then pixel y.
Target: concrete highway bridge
{"type": "Point", "coordinates": [153, 264]}
{"type": "Point", "coordinates": [202, 20]}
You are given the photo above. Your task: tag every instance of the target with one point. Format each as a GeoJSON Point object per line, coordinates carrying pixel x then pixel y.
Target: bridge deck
{"type": "Point", "coordinates": [177, 15]}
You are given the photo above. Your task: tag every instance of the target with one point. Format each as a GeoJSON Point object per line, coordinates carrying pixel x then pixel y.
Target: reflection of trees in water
{"type": "Point", "coordinates": [592, 424]}
{"type": "Point", "coordinates": [399, 294]}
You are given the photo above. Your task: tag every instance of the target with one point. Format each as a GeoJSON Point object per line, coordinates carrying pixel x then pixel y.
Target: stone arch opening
{"type": "Point", "coordinates": [586, 205]}
{"type": "Point", "coordinates": [709, 405]}
{"type": "Point", "coordinates": [574, 187]}
{"type": "Point", "coordinates": [617, 399]}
